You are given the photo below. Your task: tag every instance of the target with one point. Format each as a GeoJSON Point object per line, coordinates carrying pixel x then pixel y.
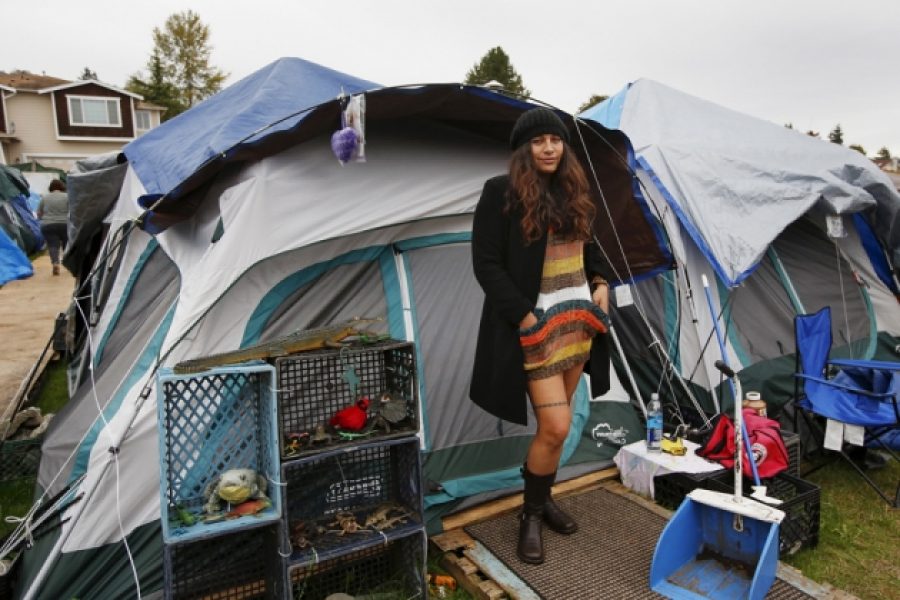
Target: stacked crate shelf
{"type": "Point", "coordinates": [375, 568]}
{"type": "Point", "coordinates": [336, 484]}
{"type": "Point", "coordinates": [313, 386]}
{"type": "Point", "coordinates": [211, 422]}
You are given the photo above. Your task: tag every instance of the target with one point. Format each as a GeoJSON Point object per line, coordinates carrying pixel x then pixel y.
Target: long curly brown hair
{"type": "Point", "coordinates": [561, 201]}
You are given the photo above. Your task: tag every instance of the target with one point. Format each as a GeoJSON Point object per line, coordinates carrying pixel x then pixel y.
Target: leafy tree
{"type": "Point", "coordinates": [157, 88]}
{"type": "Point", "coordinates": [883, 152]}
{"type": "Point", "coordinates": [595, 99]}
{"type": "Point", "coordinates": [836, 136]}
{"type": "Point", "coordinates": [88, 74]}
{"type": "Point", "coordinates": [495, 66]}
{"type": "Point", "coordinates": [858, 148]}
{"type": "Point", "coordinates": [180, 71]}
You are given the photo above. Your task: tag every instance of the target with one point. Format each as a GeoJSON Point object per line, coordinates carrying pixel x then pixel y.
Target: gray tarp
{"type": "Point", "coordinates": [738, 181]}
{"type": "Point", "coordinates": [93, 187]}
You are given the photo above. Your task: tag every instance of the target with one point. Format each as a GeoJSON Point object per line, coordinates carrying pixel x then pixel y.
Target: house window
{"type": "Point", "coordinates": [142, 120]}
{"type": "Point", "coordinates": [94, 112]}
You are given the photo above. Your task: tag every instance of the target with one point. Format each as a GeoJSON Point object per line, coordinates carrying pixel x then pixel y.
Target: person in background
{"type": "Point", "coordinates": [545, 306]}
{"type": "Point", "coordinates": [53, 213]}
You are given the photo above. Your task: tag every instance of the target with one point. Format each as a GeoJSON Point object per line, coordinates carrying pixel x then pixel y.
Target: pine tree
{"type": "Point", "coordinates": [180, 73]}
{"type": "Point", "coordinates": [883, 152]}
{"type": "Point", "coordinates": [88, 74]}
{"type": "Point", "coordinates": [836, 136]}
{"type": "Point", "coordinates": [495, 66]}
{"type": "Point", "coordinates": [595, 99]}
{"type": "Point", "coordinates": [157, 88]}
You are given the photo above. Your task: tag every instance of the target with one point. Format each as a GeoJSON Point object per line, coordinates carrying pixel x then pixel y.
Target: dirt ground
{"type": "Point", "coordinates": [28, 309]}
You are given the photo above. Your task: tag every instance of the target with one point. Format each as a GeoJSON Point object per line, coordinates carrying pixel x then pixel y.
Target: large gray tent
{"type": "Point", "coordinates": [747, 203]}
{"type": "Point", "coordinates": [256, 230]}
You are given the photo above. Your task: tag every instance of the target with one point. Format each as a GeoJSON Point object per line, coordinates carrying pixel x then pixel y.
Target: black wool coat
{"type": "Point", "coordinates": [509, 272]}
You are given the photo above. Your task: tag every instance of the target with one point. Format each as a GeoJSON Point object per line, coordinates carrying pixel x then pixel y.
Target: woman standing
{"type": "Point", "coordinates": [53, 212]}
{"type": "Point", "coordinates": [545, 307]}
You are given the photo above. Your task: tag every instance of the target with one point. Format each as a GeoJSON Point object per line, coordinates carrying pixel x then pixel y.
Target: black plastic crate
{"type": "Point", "coordinates": [241, 565]}
{"type": "Point", "coordinates": [211, 422]}
{"type": "Point", "coordinates": [333, 500]}
{"type": "Point", "coordinates": [313, 386]}
{"type": "Point", "coordinates": [792, 445]}
{"type": "Point", "coordinates": [371, 569]}
{"type": "Point", "coordinates": [670, 489]}
{"type": "Point", "coordinates": [800, 503]}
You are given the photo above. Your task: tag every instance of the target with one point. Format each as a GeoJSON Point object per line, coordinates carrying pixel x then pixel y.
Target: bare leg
{"type": "Point", "coordinates": [551, 399]}
{"type": "Point", "coordinates": [572, 377]}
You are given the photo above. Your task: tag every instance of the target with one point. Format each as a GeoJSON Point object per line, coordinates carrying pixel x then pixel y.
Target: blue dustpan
{"type": "Point", "coordinates": [718, 546]}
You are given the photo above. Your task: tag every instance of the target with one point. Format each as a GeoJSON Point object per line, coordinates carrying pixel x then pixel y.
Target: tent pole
{"type": "Point", "coordinates": [634, 386]}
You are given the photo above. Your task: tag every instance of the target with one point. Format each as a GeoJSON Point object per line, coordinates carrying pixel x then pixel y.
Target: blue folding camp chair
{"type": "Point", "coordinates": [860, 392]}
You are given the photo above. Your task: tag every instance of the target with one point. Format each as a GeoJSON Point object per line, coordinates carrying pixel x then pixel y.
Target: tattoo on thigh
{"type": "Point", "coordinates": [549, 404]}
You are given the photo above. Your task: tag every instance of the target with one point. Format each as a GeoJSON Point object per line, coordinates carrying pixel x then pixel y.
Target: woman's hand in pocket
{"type": "Point", "coordinates": [529, 321]}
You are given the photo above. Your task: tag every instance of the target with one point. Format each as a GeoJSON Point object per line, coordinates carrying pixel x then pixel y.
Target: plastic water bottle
{"type": "Point", "coordinates": [654, 424]}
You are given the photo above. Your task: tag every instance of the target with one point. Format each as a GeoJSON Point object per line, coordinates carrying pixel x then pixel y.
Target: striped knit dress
{"type": "Point", "coordinates": [567, 318]}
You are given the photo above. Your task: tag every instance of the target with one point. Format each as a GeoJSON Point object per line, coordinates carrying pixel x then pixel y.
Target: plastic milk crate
{"type": "Point", "coordinates": [800, 503]}
{"type": "Point", "coordinates": [792, 445]}
{"type": "Point", "coordinates": [338, 499]}
{"type": "Point", "coordinates": [241, 565]}
{"type": "Point", "coordinates": [313, 386]}
{"type": "Point", "coordinates": [670, 489]}
{"type": "Point", "coordinates": [209, 423]}
{"type": "Point", "coordinates": [374, 569]}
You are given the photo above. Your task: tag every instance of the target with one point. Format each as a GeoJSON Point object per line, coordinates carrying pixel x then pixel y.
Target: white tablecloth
{"type": "Point", "coordinates": [637, 466]}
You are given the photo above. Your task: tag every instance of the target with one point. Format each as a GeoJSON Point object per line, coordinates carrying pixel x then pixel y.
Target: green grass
{"type": "Point", "coordinates": [54, 391]}
{"type": "Point", "coordinates": [15, 500]}
{"type": "Point", "coordinates": [858, 548]}
{"type": "Point", "coordinates": [16, 496]}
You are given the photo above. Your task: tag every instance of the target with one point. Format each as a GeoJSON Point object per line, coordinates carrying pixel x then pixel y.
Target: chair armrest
{"type": "Point", "coordinates": [848, 388]}
{"type": "Point", "coordinates": [881, 365]}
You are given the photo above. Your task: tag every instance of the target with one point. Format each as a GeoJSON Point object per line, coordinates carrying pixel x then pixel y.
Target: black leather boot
{"type": "Point", "coordinates": [555, 517]}
{"type": "Point", "coordinates": [530, 548]}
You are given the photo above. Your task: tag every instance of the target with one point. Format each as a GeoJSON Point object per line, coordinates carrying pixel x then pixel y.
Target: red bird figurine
{"type": "Point", "coordinates": [352, 418]}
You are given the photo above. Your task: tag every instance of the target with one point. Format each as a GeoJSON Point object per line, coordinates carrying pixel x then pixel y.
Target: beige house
{"type": "Point", "coordinates": [56, 122]}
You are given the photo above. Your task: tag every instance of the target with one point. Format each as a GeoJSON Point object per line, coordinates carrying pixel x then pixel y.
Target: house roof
{"type": "Point", "coordinates": [42, 84]}
{"type": "Point", "coordinates": [79, 83]}
{"type": "Point", "coordinates": [144, 105]}
{"type": "Point", "coordinates": [26, 81]}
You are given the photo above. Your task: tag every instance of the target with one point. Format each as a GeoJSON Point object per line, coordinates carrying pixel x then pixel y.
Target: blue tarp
{"type": "Point", "coordinates": [13, 262]}
{"type": "Point", "coordinates": [29, 221]}
{"type": "Point", "coordinates": [231, 117]}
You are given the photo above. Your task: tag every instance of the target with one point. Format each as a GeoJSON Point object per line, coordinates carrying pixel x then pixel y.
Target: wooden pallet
{"type": "Point", "coordinates": [489, 510]}
{"type": "Point", "coordinates": [457, 556]}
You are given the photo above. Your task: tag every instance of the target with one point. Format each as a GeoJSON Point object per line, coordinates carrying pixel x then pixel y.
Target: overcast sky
{"type": "Point", "coordinates": [813, 63]}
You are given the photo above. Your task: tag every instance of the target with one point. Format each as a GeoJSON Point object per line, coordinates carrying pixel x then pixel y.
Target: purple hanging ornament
{"type": "Point", "coordinates": [344, 143]}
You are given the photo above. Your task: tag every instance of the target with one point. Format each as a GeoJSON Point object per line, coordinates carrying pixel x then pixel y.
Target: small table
{"type": "Point", "coordinates": [638, 467]}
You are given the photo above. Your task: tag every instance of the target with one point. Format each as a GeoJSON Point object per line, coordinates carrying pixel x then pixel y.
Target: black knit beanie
{"type": "Point", "coordinates": [535, 122]}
